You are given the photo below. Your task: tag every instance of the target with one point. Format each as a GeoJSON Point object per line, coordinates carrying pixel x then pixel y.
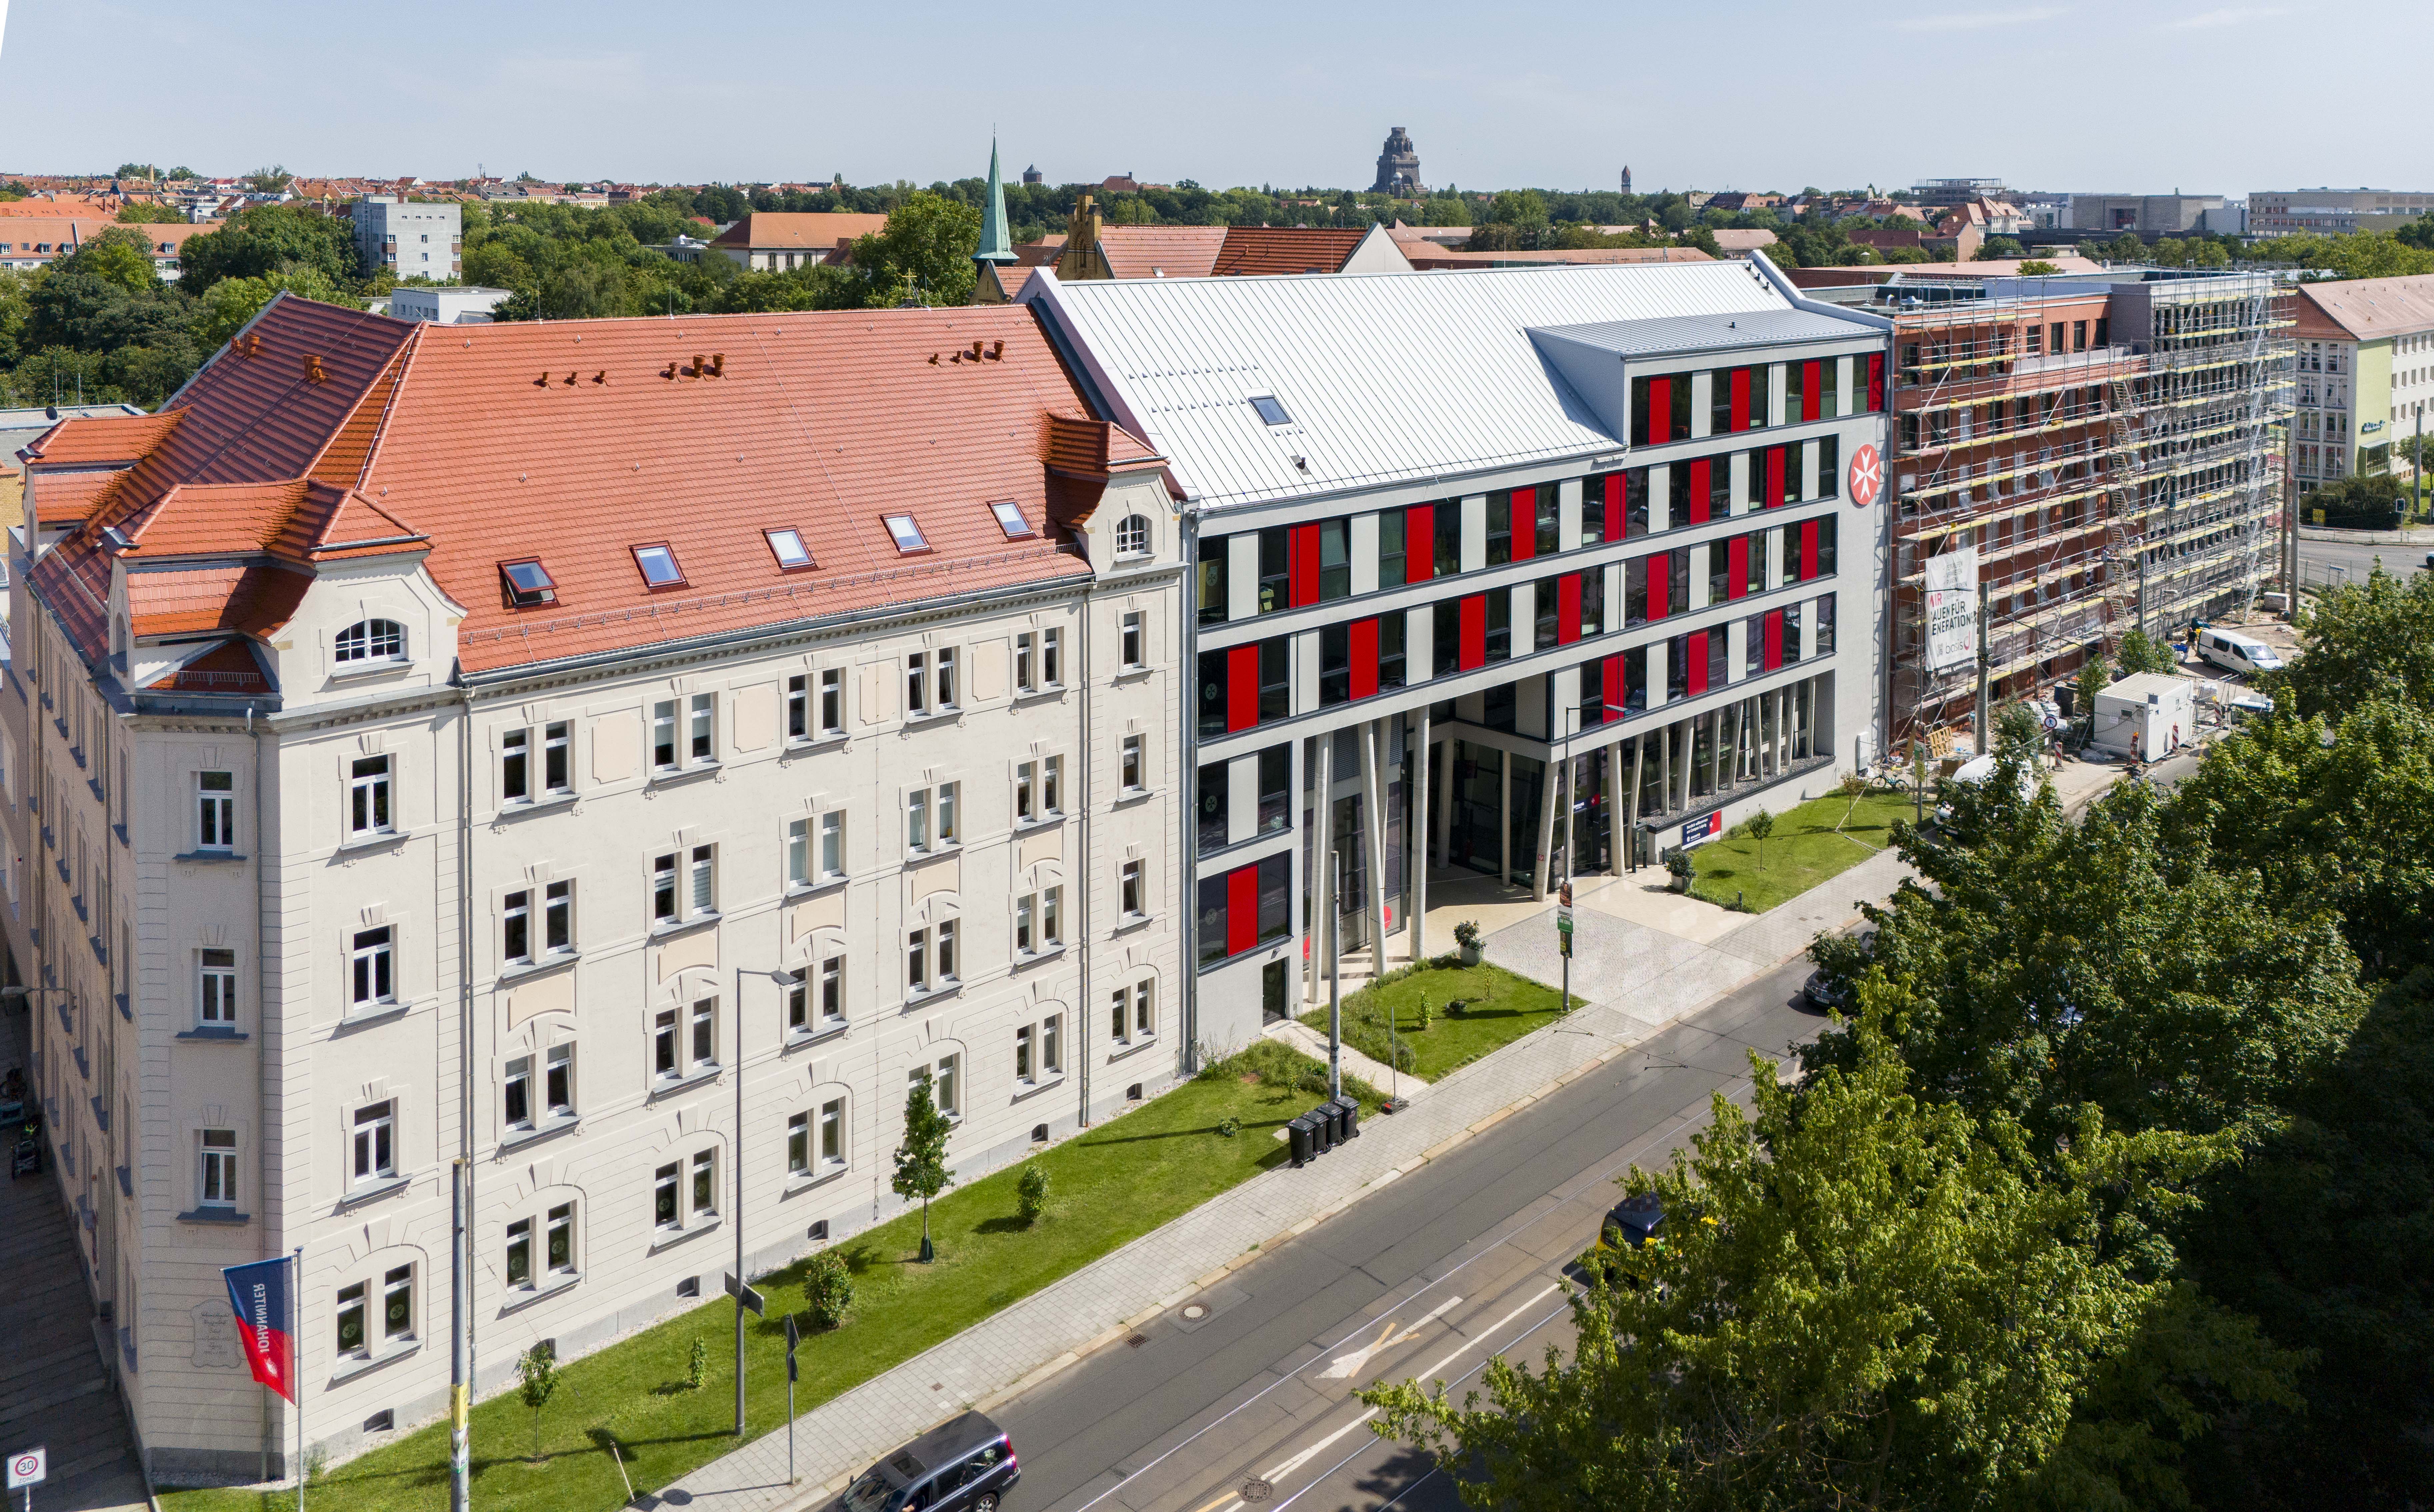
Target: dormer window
{"type": "Point", "coordinates": [787, 547]}
{"type": "Point", "coordinates": [1010, 520]}
{"type": "Point", "coordinates": [1270, 413]}
{"type": "Point", "coordinates": [1131, 536]}
{"type": "Point", "coordinates": [907, 534]}
{"type": "Point", "coordinates": [658, 564]}
{"type": "Point", "coordinates": [529, 583]}
{"type": "Point", "coordinates": [370, 641]}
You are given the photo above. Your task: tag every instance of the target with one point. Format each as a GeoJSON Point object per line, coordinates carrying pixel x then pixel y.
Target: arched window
{"type": "Point", "coordinates": [371, 640]}
{"type": "Point", "coordinates": [1131, 536]}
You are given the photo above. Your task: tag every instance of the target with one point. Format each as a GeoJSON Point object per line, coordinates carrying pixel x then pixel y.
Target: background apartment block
{"type": "Point", "coordinates": [2332, 212]}
{"type": "Point", "coordinates": [2107, 446]}
{"type": "Point", "coordinates": [2149, 215]}
{"type": "Point", "coordinates": [411, 238]}
{"type": "Point", "coordinates": [1448, 532]}
{"type": "Point", "coordinates": [2365, 375]}
{"type": "Point", "coordinates": [444, 770]}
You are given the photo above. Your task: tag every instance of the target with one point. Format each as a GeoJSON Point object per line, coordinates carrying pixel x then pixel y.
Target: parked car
{"type": "Point", "coordinates": [2236, 652]}
{"type": "Point", "coordinates": [1630, 1224]}
{"type": "Point", "coordinates": [964, 1466]}
{"type": "Point", "coordinates": [1824, 994]}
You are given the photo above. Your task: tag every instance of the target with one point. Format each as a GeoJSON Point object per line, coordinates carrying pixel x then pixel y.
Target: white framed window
{"type": "Point", "coordinates": [1026, 924]}
{"type": "Point", "coordinates": [664, 735]}
{"type": "Point", "coordinates": [1026, 1070]}
{"type": "Point", "coordinates": [1133, 890]}
{"type": "Point", "coordinates": [1132, 639]}
{"type": "Point", "coordinates": [945, 660]}
{"type": "Point", "coordinates": [1131, 536]}
{"type": "Point", "coordinates": [397, 1304]}
{"type": "Point", "coordinates": [557, 1082]}
{"type": "Point", "coordinates": [667, 900]}
{"type": "Point", "coordinates": [515, 767]}
{"type": "Point", "coordinates": [1051, 1045]}
{"type": "Point", "coordinates": [367, 796]}
{"type": "Point", "coordinates": [1052, 773]}
{"type": "Point", "coordinates": [353, 1341]}
{"type": "Point", "coordinates": [799, 707]}
{"type": "Point", "coordinates": [833, 846]}
{"type": "Point", "coordinates": [1026, 662]}
{"type": "Point", "coordinates": [667, 1052]}
{"type": "Point", "coordinates": [833, 702]}
{"type": "Point", "coordinates": [832, 989]}
{"type": "Point", "coordinates": [216, 1180]}
{"type": "Point", "coordinates": [216, 988]}
{"type": "Point", "coordinates": [945, 1087]}
{"type": "Point", "coordinates": [666, 1184]}
{"type": "Point", "coordinates": [1144, 1008]}
{"type": "Point", "coordinates": [214, 811]}
{"type": "Point", "coordinates": [1051, 922]}
{"type": "Point", "coordinates": [375, 1142]}
{"type": "Point", "coordinates": [799, 852]}
{"type": "Point", "coordinates": [703, 870]}
{"type": "Point", "coordinates": [1027, 792]}
{"type": "Point", "coordinates": [930, 957]}
{"type": "Point", "coordinates": [557, 757]}
{"type": "Point", "coordinates": [916, 682]}
{"type": "Point", "coordinates": [705, 1184]}
{"type": "Point", "coordinates": [703, 1025]}
{"type": "Point", "coordinates": [560, 1239]}
{"type": "Point", "coordinates": [520, 1253]}
{"type": "Point", "coordinates": [799, 1145]}
{"type": "Point", "coordinates": [1130, 769]}
{"type": "Point", "coordinates": [558, 918]}
{"type": "Point", "coordinates": [516, 929]}
{"type": "Point", "coordinates": [372, 966]}
{"type": "Point", "coordinates": [701, 726]}
{"type": "Point", "coordinates": [832, 1134]}
{"type": "Point", "coordinates": [516, 1094]}
{"type": "Point", "coordinates": [1051, 658]}
{"type": "Point", "coordinates": [370, 641]}
{"type": "Point", "coordinates": [932, 820]}
{"type": "Point", "coordinates": [1120, 1016]}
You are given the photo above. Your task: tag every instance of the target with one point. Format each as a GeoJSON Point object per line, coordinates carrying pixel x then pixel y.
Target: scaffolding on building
{"type": "Point", "coordinates": [2134, 483]}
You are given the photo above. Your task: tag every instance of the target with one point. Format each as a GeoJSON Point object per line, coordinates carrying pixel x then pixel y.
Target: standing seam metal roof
{"type": "Point", "coordinates": [1387, 378]}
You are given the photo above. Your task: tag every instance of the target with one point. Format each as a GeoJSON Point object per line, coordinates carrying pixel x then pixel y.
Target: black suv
{"type": "Point", "coordinates": [964, 1466]}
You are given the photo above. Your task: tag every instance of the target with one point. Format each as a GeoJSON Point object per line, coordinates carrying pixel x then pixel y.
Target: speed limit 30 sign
{"type": "Point", "coordinates": [29, 1467]}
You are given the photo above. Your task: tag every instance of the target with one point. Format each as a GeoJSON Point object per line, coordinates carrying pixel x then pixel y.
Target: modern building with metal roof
{"type": "Point", "coordinates": [1517, 574]}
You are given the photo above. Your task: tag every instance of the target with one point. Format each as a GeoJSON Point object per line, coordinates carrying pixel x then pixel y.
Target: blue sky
{"type": "Point", "coordinates": [2119, 97]}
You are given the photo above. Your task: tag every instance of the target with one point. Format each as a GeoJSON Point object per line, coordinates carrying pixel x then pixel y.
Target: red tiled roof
{"type": "Point", "coordinates": [570, 440]}
{"type": "Point", "coordinates": [794, 231]}
{"type": "Point", "coordinates": [65, 498]}
{"type": "Point", "coordinates": [83, 440]}
{"type": "Point", "coordinates": [255, 600]}
{"type": "Point", "coordinates": [1073, 442]}
{"type": "Point", "coordinates": [1286, 249]}
{"type": "Point", "coordinates": [1013, 278]}
{"type": "Point", "coordinates": [1152, 251]}
{"type": "Point", "coordinates": [229, 667]}
{"type": "Point", "coordinates": [1450, 258]}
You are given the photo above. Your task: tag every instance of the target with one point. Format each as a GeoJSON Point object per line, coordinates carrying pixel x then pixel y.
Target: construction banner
{"type": "Point", "coordinates": [1953, 609]}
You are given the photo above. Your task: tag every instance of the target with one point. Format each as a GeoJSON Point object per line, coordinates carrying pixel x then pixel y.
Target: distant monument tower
{"type": "Point", "coordinates": [1399, 168]}
{"type": "Point", "coordinates": [1626, 178]}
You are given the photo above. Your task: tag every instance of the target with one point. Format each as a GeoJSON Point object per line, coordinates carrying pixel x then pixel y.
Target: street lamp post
{"type": "Point", "coordinates": [736, 1157]}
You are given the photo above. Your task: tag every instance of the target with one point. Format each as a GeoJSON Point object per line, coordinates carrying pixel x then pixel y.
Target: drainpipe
{"type": "Point", "coordinates": [1090, 800]}
{"type": "Point", "coordinates": [262, 1034]}
{"type": "Point", "coordinates": [1187, 778]}
{"type": "Point", "coordinates": [462, 1362]}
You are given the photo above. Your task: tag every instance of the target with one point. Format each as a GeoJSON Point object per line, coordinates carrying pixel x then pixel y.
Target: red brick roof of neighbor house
{"type": "Point", "coordinates": [324, 431]}
{"type": "Point", "coordinates": [1286, 249]}
{"type": "Point", "coordinates": [1152, 251]}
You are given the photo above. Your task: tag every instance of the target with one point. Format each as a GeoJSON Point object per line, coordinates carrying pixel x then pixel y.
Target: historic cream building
{"type": "Point", "coordinates": [487, 744]}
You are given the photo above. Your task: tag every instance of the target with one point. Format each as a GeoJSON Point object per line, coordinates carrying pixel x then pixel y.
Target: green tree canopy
{"type": "Point", "coordinates": [2365, 640]}
{"type": "Point", "coordinates": [269, 239]}
{"type": "Point", "coordinates": [927, 245]}
{"type": "Point", "coordinates": [137, 213]}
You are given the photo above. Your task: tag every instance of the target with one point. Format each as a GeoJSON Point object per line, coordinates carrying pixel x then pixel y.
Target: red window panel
{"type": "Point", "coordinates": [1736, 566]}
{"type": "Point", "coordinates": [1525, 523]}
{"type": "Point", "coordinates": [1807, 550]}
{"type": "Point", "coordinates": [1302, 585]}
{"type": "Point", "coordinates": [1364, 659]}
{"type": "Point", "coordinates": [1702, 469]}
{"type": "Point", "coordinates": [1614, 688]}
{"type": "Point", "coordinates": [1614, 512]}
{"type": "Point", "coordinates": [1774, 476]}
{"type": "Point", "coordinates": [1659, 585]}
{"type": "Point", "coordinates": [1775, 640]}
{"type": "Point", "coordinates": [1241, 687]}
{"type": "Point", "coordinates": [1567, 612]}
{"type": "Point", "coordinates": [1242, 909]}
{"type": "Point", "coordinates": [1474, 631]}
{"type": "Point", "coordinates": [1875, 382]}
{"type": "Point", "coordinates": [1660, 410]}
{"type": "Point", "coordinates": [1420, 543]}
{"type": "Point", "coordinates": [1697, 643]}
{"type": "Point", "coordinates": [1812, 391]}
{"type": "Point", "coordinates": [1740, 399]}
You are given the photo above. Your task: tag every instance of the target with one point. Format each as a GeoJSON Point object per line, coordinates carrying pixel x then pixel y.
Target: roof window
{"type": "Point", "coordinates": [529, 583]}
{"type": "Point", "coordinates": [1010, 520]}
{"type": "Point", "coordinates": [1270, 413]}
{"type": "Point", "coordinates": [907, 533]}
{"type": "Point", "coordinates": [658, 564]}
{"type": "Point", "coordinates": [787, 547]}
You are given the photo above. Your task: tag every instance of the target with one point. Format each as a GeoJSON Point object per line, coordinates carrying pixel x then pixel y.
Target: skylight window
{"type": "Point", "coordinates": [658, 564]}
{"type": "Point", "coordinates": [908, 534]}
{"type": "Point", "coordinates": [787, 547]}
{"type": "Point", "coordinates": [529, 583]}
{"type": "Point", "coordinates": [1010, 520]}
{"type": "Point", "coordinates": [1270, 413]}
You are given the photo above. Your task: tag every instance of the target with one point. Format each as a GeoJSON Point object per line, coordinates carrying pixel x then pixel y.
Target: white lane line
{"type": "Point", "coordinates": [1544, 1291]}
{"type": "Point", "coordinates": [1350, 1363]}
{"type": "Point", "coordinates": [1315, 1449]}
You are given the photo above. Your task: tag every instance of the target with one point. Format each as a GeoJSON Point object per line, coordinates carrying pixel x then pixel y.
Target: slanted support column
{"type": "Point", "coordinates": [1617, 836]}
{"type": "Point", "coordinates": [1503, 818]}
{"type": "Point", "coordinates": [1418, 826]}
{"type": "Point", "coordinates": [1373, 837]}
{"type": "Point", "coordinates": [1322, 862]}
{"type": "Point", "coordinates": [1547, 781]}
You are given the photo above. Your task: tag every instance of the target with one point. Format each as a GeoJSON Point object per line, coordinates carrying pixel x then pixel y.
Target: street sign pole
{"type": "Point", "coordinates": [28, 1468]}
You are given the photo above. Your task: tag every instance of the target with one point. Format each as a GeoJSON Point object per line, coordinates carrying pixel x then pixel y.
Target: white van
{"type": "Point", "coordinates": [1978, 770]}
{"type": "Point", "coordinates": [2236, 652]}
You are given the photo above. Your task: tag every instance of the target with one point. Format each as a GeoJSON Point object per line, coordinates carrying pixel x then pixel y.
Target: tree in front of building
{"type": "Point", "coordinates": [137, 213]}
{"type": "Point", "coordinates": [1759, 826]}
{"type": "Point", "coordinates": [1999, 247]}
{"type": "Point", "coordinates": [922, 1159]}
{"type": "Point", "coordinates": [2142, 652]}
{"type": "Point", "coordinates": [926, 247]}
{"type": "Point", "coordinates": [1859, 1296]}
{"type": "Point", "coordinates": [537, 1367]}
{"type": "Point", "coordinates": [269, 239]}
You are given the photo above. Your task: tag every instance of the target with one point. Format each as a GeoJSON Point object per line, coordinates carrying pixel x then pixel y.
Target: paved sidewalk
{"type": "Point", "coordinates": [1636, 980]}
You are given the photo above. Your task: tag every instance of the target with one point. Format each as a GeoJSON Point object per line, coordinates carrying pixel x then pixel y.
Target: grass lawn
{"type": "Point", "coordinates": [1105, 1188]}
{"type": "Point", "coordinates": [1804, 850]}
{"type": "Point", "coordinates": [1499, 1008]}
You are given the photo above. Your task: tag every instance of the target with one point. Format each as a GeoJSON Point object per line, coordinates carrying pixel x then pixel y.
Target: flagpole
{"type": "Point", "coordinates": [296, 1359]}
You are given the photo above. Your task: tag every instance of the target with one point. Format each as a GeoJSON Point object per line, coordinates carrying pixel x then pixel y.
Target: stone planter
{"type": "Point", "coordinates": [1470, 955]}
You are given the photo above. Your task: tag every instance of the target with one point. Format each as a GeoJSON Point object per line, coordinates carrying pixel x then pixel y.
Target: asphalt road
{"type": "Point", "coordinates": [1246, 1406]}
{"type": "Point", "coordinates": [2402, 560]}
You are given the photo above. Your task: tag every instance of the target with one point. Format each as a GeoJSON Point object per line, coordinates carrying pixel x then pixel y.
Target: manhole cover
{"type": "Point", "coordinates": [1195, 1312]}
{"type": "Point", "coordinates": [1255, 1490]}
{"type": "Point", "coordinates": [1137, 1340]}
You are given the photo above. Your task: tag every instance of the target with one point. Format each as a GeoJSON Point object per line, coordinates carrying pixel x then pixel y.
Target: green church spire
{"type": "Point", "coordinates": [996, 245]}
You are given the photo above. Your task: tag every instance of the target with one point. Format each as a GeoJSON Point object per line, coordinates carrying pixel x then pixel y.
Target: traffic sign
{"type": "Point", "coordinates": [1867, 476]}
{"type": "Point", "coordinates": [793, 1337]}
{"type": "Point", "coordinates": [29, 1467]}
{"type": "Point", "coordinates": [759, 1304]}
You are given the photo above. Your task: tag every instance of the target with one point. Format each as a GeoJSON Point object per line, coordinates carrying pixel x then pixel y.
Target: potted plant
{"type": "Point", "coordinates": [1677, 866]}
{"type": "Point", "coordinates": [1467, 935]}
